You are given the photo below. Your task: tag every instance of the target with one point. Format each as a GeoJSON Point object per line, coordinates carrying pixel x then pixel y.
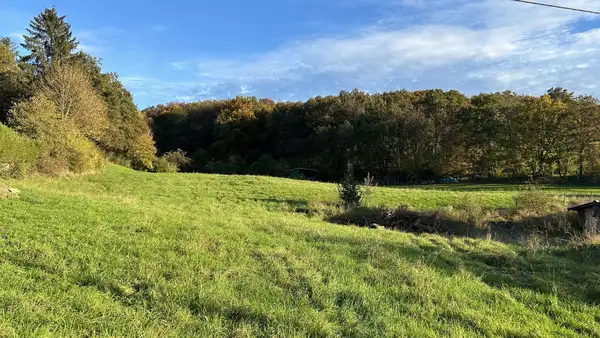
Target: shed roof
{"type": "Point", "coordinates": [592, 204]}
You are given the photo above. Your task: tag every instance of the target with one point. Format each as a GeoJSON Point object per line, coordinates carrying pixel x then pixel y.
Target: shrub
{"type": "Point", "coordinates": [73, 154]}
{"type": "Point", "coordinates": [18, 153]}
{"type": "Point", "coordinates": [533, 202]}
{"type": "Point", "coordinates": [470, 211]}
{"type": "Point", "coordinates": [349, 190]}
{"type": "Point", "coordinates": [83, 155]}
{"type": "Point", "coordinates": [179, 158]}
{"type": "Point", "coordinates": [172, 162]}
{"type": "Point", "coordinates": [162, 165]}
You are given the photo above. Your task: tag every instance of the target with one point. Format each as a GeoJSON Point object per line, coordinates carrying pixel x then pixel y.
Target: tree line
{"type": "Point", "coordinates": [59, 99]}
{"type": "Point", "coordinates": [70, 116]}
{"type": "Point", "coordinates": [401, 136]}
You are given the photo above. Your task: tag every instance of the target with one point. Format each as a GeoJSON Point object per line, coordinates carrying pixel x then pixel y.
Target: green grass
{"type": "Point", "coordinates": [125, 253]}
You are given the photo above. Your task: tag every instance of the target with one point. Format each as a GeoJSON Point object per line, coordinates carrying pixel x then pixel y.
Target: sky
{"type": "Point", "coordinates": [190, 50]}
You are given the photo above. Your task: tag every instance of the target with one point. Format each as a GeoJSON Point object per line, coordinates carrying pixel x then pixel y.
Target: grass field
{"type": "Point", "coordinates": [124, 253]}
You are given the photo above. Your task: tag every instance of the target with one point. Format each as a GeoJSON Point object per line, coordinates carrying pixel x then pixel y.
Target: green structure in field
{"type": "Point", "coordinates": [448, 180]}
{"type": "Point", "coordinates": [302, 173]}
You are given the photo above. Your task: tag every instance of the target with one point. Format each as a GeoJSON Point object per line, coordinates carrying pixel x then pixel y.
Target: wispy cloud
{"type": "Point", "coordinates": [472, 46]}
{"type": "Point", "coordinates": [18, 37]}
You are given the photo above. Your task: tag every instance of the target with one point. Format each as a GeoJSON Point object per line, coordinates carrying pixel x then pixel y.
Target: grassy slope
{"type": "Point", "coordinates": [127, 253]}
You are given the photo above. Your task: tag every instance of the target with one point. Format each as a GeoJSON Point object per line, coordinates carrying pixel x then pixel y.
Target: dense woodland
{"type": "Point", "coordinates": [398, 136]}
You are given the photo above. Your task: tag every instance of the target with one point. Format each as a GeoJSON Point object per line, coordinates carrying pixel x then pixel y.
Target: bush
{"type": "Point", "coordinates": [18, 153]}
{"type": "Point", "coordinates": [534, 202]}
{"type": "Point", "coordinates": [73, 154]}
{"type": "Point", "coordinates": [83, 155]}
{"type": "Point", "coordinates": [162, 165]}
{"type": "Point", "coordinates": [469, 210]}
{"type": "Point", "coordinates": [179, 158]}
{"type": "Point", "coordinates": [171, 162]}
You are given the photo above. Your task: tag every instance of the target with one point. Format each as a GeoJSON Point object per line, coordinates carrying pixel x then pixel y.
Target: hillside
{"type": "Point", "coordinates": [130, 253]}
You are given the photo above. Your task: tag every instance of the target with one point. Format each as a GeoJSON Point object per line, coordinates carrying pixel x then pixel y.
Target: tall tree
{"type": "Point", "coordinates": [49, 40]}
{"type": "Point", "coordinates": [12, 85]}
{"type": "Point", "coordinates": [6, 41]}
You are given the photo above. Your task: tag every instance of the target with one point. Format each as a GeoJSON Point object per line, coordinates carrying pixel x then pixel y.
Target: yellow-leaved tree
{"type": "Point", "coordinates": [67, 117]}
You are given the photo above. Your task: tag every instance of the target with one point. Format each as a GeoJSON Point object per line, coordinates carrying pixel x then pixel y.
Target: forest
{"type": "Point", "coordinates": [398, 137]}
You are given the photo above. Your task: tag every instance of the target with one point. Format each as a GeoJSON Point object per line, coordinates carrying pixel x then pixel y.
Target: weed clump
{"type": "Point", "coordinates": [532, 201]}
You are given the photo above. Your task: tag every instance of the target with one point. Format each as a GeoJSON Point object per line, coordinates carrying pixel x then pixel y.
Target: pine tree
{"type": "Point", "coordinates": [50, 39]}
{"type": "Point", "coordinates": [349, 189]}
{"type": "Point", "coordinates": [6, 41]}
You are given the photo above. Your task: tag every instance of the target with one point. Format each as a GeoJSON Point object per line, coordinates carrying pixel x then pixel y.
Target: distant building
{"type": "Point", "coordinates": [589, 217]}
{"type": "Point", "coordinates": [302, 173]}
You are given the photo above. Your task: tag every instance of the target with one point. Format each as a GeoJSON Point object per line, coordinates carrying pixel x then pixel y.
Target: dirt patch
{"type": "Point", "coordinates": [7, 192]}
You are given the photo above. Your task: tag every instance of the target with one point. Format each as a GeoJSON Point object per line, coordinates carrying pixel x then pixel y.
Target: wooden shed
{"type": "Point", "coordinates": [589, 217]}
{"type": "Point", "coordinates": [303, 173]}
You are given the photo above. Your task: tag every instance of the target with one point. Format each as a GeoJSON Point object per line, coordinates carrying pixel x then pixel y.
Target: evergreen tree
{"type": "Point", "coordinates": [6, 41]}
{"type": "Point", "coordinates": [50, 39]}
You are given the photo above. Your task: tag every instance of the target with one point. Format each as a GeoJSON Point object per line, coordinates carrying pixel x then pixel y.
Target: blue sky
{"type": "Point", "coordinates": [186, 50]}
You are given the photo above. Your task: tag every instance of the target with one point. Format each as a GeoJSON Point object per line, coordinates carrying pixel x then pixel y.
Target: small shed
{"type": "Point", "coordinates": [589, 217]}
{"type": "Point", "coordinates": [303, 173]}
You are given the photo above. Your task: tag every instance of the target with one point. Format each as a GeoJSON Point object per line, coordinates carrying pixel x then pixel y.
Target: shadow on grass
{"type": "Point", "coordinates": [570, 273]}
{"type": "Point", "coordinates": [549, 226]}
{"type": "Point", "coordinates": [297, 206]}
{"type": "Point", "coordinates": [566, 271]}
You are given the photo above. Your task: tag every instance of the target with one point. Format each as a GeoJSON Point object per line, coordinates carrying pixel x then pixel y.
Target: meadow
{"type": "Point", "coordinates": [125, 253]}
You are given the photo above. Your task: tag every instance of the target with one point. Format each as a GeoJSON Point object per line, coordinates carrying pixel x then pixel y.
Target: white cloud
{"type": "Point", "coordinates": [473, 46]}
{"type": "Point", "coordinates": [17, 37]}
